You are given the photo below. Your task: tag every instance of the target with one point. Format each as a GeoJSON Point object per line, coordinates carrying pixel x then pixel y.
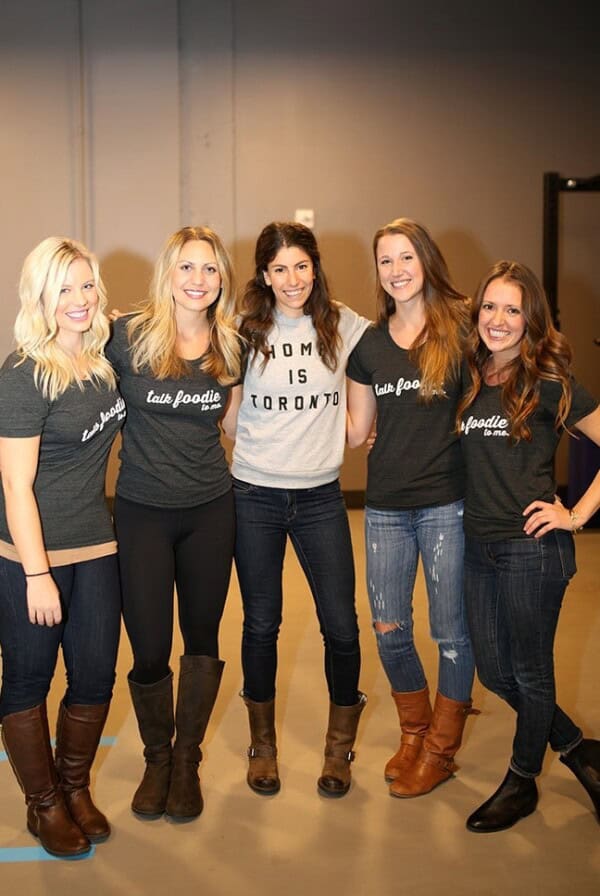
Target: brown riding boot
{"type": "Point", "coordinates": [436, 760]}
{"type": "Point", "coordinates": [78, 732]}
{"type": "Point", "coordinates": [199, 680]}
{"type": "Point", "coordinates": [263, 777]}
{"type": "Point", "coordinates": [153, 705]}
{"type": "Point", "coordinates": [27, 741]}
{"type": "Point", "coordinates": [414, 714]}
{"type": "Point", "coordinates": [341, 734]}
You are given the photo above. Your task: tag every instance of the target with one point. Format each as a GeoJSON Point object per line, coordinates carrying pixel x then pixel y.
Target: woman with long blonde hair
{"type": "Point", "coordinates": [178, 362]}
{"type": "Point", "coordinates": [59, 413]}
{"type": "Point", "coordinates": [406, 372]}
{"type": "Point", "coordinates": [520, 555]}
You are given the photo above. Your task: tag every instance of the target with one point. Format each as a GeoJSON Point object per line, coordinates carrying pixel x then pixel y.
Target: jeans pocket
{"type": "Point", "coordinates": [565, 546]}
{"type": "Point", "coordinates": [244, 488]}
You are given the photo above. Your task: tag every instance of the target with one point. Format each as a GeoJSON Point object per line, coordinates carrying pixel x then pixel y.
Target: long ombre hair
{"type": "Point", "coordinates": [437, 349]}
{"type": "Point", "coordinates": [42, 277]}
{"type": "Point", "coordinates": [258, 301]}
{"type": "Point", "coordinates": [152, 331]}
{"type": "Point", "coordinates": [544, 353]}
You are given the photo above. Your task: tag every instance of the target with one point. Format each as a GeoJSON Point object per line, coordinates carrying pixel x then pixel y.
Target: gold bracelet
{"type": "Point", "coordinates": [576, 526]}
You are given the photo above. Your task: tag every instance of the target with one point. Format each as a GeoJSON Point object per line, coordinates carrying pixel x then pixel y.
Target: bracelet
{"type": "Point", "coordinates": [576, 526]}
{"type": "Point", "coordinates": [32, 575]}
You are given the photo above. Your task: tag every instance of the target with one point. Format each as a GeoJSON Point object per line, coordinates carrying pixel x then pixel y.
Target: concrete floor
{"type": "Point", "coordinates": [298, 843]}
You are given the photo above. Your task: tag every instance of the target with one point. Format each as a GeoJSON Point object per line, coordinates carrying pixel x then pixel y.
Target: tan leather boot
{"type": "Point", "coordinates": [414, 714]}
{"type": "Point", "coordinates": [435, 763]}
{"type": "Point", "coordinates": [27, 741]}
{"type": "Point", "coordinates": [78, 733]}
{"type": "Point", "coordinates": [341, 733]}
{"type": "Point", "coordinates": [263, 776]}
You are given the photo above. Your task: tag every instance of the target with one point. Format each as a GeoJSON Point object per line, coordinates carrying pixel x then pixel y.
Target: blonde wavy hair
{"type": "Point", "coordinates": [42, 277]}
{"type": "Point", "coordinates": [152, 331]}
{"type": "Point", "coordinates": [437, 350]}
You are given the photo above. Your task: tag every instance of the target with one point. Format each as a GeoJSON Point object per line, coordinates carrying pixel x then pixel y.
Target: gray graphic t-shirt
{"type": "Point", "coordinates": [503, 477]}
{"type": "Point", "coordinates": [172, 454]}
{"type": "Point", "coordinates": [77, 431]}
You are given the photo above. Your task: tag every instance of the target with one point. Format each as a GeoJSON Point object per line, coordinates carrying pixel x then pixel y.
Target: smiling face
{"type": "Point", "coordinates": [196, 280]}
{"type": "Point", "coordinates": [501, 322]}
{"type": "Point", "coordinates": [399, 268]}
{"type": "Point", "coordinates": [291, 276]}
{"type": "Point", "coordinates": [77, 304]}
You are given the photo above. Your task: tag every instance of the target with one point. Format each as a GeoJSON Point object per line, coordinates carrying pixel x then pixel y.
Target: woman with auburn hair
{"type": "Point", "coordinates": [178, 362]}
{"type": "Point", "coordinates": [287, 457]}
{"type": "Point", "coordinates": [519, 554]}
{"type": "Point", "coordinates": [406, 371]}
{"type": "Point", "coordinates": [59, 581]}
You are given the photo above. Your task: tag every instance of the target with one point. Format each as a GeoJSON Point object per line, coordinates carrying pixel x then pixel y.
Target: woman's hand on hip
{"type": "Point", "coordinates": [543, 517]}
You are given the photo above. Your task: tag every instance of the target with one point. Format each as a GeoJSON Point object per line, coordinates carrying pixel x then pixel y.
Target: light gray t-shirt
{"type": "Point", "coordinates": [77, 431]}
{"type": "Point", "coordinates": [292, 421]}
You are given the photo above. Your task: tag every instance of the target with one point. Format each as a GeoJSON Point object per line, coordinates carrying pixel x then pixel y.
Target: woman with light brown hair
{"type": "Point", "coordinates": [405, 372]}
{"type": "Point", "coordinates": [178, 362]}
{"type": "Point", "coordinates": [520, 555]}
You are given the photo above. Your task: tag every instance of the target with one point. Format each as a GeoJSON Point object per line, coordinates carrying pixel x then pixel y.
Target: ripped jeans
{"type": "Point", "coordinates": [394, 540]}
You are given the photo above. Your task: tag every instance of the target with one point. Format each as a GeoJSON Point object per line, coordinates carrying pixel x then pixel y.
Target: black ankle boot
{"type": "Point", "coordinates": [584, 762]}
{"type": "Point", "coordinates": [516, 798]}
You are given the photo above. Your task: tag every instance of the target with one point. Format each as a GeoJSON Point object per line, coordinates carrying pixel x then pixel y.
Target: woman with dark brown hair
{"type": "Point", "coordinates": [288, 452]}
{"type": "Point", "coordinates": [406, 370]}
{"type": "Point", "coordinates": [519, 554]}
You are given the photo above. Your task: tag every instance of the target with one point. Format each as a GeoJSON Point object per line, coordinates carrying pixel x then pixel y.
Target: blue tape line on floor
{"type": "Point", "coordinates": [36, 854]}
{"type": "Point", "coordinates": [104, 742]}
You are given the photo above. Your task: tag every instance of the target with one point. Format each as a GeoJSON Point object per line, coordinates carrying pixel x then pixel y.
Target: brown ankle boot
{"type": "Point", "coordinates": [414, 714]}
{"type": "Point", "coordinates": [263, 776]}
{"type": "Point", "coordinates": [153, 705]}
{"type": "Point", "coordinates": [435, 763]}
{"type": "Point", "coordinates": [78, 732]}
{"type": "Point", "coordinates": [341, 734]}
{"type": "Point", "coordinates": [27, 741]}
{"type": "Point", "coordinates": [199, 680]}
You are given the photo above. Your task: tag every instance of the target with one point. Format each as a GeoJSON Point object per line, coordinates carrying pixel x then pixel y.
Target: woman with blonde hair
{"type": "Point", "coordinates": [59, 413]}
{"type": "Point", "coordinates": [520, 552]}
{"type": "Point", "coordinates": [178, 362]}
{"type": "Point", "coordinates": [406, 372]}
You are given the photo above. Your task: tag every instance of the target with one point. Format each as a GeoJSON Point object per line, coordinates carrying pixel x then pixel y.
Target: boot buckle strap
{"type": "Point", "coordinates": [348, 755]}
{"type": "Point", "coordinates": [445, 763]}
{"type": "Point", "coordinates": [265, 752]}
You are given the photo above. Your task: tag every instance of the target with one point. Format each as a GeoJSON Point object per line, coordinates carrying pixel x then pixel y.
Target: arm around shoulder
{"type": "Point", "coordinates": [361, 412]}
{"type": "Point", "coordinates": [229, 418]}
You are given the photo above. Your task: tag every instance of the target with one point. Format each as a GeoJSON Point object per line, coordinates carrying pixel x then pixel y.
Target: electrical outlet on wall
{"type": "Point", "coordinates": [305, 216]}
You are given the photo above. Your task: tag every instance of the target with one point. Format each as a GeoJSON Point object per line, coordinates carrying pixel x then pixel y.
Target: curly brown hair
{"type": "Point", "coordinates": [544, 353]}
{"type": "Point", "coordinates": [258, 301]}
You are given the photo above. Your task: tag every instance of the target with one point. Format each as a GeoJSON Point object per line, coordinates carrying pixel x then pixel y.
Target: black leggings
{"type": "Point", "coordinates": [190, 548]}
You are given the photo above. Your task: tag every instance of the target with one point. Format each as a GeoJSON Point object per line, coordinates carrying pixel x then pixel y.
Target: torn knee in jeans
{"type": "Point", "coordinates": [382, 627]}
{"type": "Point", "coordinates": [449, 650]}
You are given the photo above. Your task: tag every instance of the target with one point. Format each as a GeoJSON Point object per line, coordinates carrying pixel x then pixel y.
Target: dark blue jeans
{"type": "Point", "coordinates": [514, 591]}
{"type": "Point", "coordinates": [88, 634]}
{"type": "Point", "coordinates": [317, 523]}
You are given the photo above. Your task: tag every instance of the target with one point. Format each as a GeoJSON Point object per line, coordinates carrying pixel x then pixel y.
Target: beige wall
{"type": "Point", "coordinates": [121, 121]}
